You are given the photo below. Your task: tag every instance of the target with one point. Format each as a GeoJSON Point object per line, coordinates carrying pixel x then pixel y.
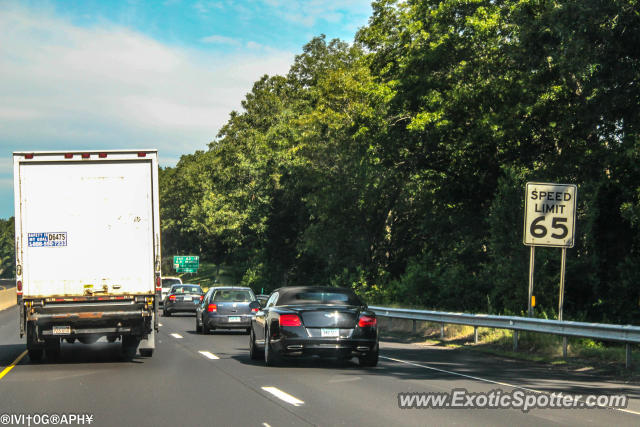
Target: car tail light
{"type": "Point", "coordinates": [19, 287]}
{"type": "Point", "coordinates": [212, 308]}
{"type": "Point", "coordinates": [365, 321]}
{"type": "Point", "coordinates": [254, 310]}
{"type": "Point", "coordinates": [201, 297]}
{"type": "Point", "coordinates": [290, 320]}
{"type": "Point", "coordinates": [172, 297]}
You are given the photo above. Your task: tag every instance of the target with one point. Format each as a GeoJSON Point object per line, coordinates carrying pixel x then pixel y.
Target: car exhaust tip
{"type": "Point", "coordinates": [294, 347]}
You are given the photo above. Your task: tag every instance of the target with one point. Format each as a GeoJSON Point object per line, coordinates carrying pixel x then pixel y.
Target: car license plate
{"type": "Point", "coordinates": [234, 318]}
{"type": "Point", "coordinates": [330, 332]}
{"type": "Point", "coordinates": [61, 330]}
{"type": "Point", "coordinates": [186, 298]}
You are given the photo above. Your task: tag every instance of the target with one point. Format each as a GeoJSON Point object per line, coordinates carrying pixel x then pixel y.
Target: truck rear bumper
{"type": "Point", "coordinates": [98, 319]}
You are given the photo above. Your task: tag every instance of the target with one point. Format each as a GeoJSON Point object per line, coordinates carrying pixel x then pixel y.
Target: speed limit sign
{"type": "Point", "coordinates": [550, 214]}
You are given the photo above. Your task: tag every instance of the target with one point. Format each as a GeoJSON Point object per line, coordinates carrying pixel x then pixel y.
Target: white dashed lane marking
{"type": "Point", "coordinates": [209, 355]}
{"type": "Point", "coordinates": [283, 396]}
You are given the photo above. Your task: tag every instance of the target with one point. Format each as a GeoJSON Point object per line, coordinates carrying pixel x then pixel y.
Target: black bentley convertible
{"type": "Point", "coordinates": [309, 320]}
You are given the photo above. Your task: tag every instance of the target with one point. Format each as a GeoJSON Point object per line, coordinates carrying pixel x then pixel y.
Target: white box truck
{"type": "Point", "coordinates": [87, 248]}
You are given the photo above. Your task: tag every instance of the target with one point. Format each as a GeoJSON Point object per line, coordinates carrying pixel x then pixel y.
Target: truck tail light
{"type": "Point", "coordinates": [367, 321]}
{"type": "Point", "coordinates": [102, 155]}
{"type": "Point", "coordinates": [68, 156]}
{"type": "Point", "coordinates": [142, 154]}
{"type": "Point", "coordinates": [158, 284]}
{"type": "Point", "coordinates": [212, 308]}
{"type": "Point", "coordinates": [290, 320]}
{"type": "Point", "coordinates": [86, 155]}
{"type": "Point", "coordinates": [28, 156]}
{"type": "Point", "coordinates": [19, 287]}
{"type": "Point", "coordinates": [172, 297]}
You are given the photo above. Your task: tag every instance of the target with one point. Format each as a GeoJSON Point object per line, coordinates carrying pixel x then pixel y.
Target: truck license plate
{"type": "Point", "coordinates": [234, 319]}
{"type": "Point", "coordinates": [61, 330]}
{"type": "Point", "coordinates": [330, 332]}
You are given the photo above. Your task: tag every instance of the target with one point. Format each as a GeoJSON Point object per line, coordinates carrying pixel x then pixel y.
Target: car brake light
{"type": "Point", "coordinates": [365, 321]}
{"type": "Point", "coordinates": [254, 310]}
{"type": "Point", "coordinates": [212, 308]}
{"type": "Point", "coordinates": [201, 297]}
{"type": "Point", "coordinates": [290, 320]}
{"type": "Point", "coordinates": [172, 297]}
{"type": "Point", "coordinates": [19, 287]}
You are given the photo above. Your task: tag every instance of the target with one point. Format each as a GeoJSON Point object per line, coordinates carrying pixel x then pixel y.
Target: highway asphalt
{"type": "Point", "coordinates": [195, 380]}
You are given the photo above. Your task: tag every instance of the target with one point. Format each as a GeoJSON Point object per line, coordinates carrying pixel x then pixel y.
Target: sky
{"type": "Point", "coordinates": [101, 75]}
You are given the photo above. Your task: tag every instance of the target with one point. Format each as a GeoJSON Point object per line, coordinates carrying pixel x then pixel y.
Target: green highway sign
{"type": "Point", "coordinates": [186, 264]}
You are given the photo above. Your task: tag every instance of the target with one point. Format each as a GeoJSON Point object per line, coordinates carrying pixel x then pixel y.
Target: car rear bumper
{"type": "Point", "coordinates": [222, 321]}
{"type": "Point", "coordinates": [180, 307]}
{"type": "Point", "coordinates": [324, 347]}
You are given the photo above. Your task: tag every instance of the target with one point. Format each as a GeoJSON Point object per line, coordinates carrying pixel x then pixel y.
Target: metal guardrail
{"type": "Point", "coordinates": [627, 334]}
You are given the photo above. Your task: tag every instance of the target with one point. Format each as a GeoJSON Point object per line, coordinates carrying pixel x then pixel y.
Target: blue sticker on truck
{"type": "Point", "coordinates": [40, 240]}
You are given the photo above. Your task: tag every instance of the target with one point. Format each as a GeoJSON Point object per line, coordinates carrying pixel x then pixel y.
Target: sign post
{"type": "Point", "coordinates": [549, 220]}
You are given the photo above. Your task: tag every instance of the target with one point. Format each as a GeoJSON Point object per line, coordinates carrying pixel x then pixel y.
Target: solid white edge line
{"type": "Point", "coordinates": [209, 355]}
{"type": "Point", "coordinates": [283, 396]}
{"type": "Point", "coordinates": [629, 411]}
{"type": "Point", "coordinates": [178, 336]}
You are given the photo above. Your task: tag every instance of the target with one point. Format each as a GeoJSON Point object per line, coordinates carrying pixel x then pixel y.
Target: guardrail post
{"type": "Point", "coordinates": [442, 331]}
{"type": "Point", "coordinates": [475, 335]}
{"type": "Point", "coordinates": [414, 326]}
{"type": "Point", "coordinates": [564, 347]}
{"type": "Point", "coordinates": [627, 363]}
{"type": "Point", "coordinates": [515, 341]}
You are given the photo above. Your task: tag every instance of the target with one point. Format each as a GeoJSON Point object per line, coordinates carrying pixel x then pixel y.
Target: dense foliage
{"type": "Point", "coordinates": [396, 164]}
{"type": "Point", "coordinates": [7, 251]}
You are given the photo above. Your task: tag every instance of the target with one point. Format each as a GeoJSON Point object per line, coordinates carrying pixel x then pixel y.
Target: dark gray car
{"type": "Point", "coordinates": [225, 307]}
{"type": "Point", "coordinates": [183, 298]}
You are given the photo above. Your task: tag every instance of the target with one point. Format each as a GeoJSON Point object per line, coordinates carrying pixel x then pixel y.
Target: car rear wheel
{"type": "Point", "coordinates": [270, 356]}
{"type": "Point", "coordinates": [254, 354]}
{"type": "Point", "coordinates": [370, 360]}
{"type": "Point", "coordinates": [198, 326]}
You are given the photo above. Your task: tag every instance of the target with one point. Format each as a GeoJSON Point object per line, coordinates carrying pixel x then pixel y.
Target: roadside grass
{"type": "Point", "coordinates": [583, 355]}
